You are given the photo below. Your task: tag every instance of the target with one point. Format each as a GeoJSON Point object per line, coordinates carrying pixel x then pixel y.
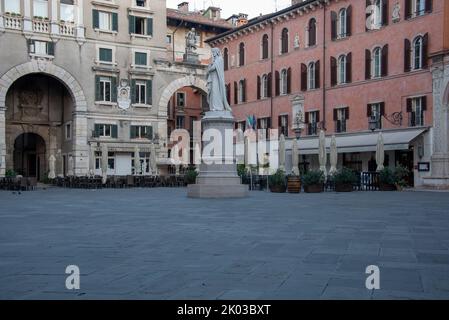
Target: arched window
{"type": "Point", "coordinates": [241, 91]}
{"type": "Point", "coordinates": [264, 86]}
{"type": "Point", "coordinates": [377, 62]}
{"type": "Point", "coordinates": [226, 58]}
{"type": "Point", "coordinates": [242, 54]}
{"type": "Point", "coordinates": [341, 69]}
{"type": "Point", "coordinates": [265, 46]}
{"type": "Point", "coordinates": [312, 32]}
{"type": "Point", "coordinates": [284, 82]}
{"type": "Point", "coordinates": [417, 56]}
{"type": "Point", "coordinates": [284, 41]}
{"type": "Point", "coordinates": [311, 75]}
{"type": "Point", "coordinates": [342, 23]}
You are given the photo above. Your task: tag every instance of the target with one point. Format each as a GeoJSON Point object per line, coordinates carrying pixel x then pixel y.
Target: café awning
{"type": "Point", "coordinates": [363, 142]}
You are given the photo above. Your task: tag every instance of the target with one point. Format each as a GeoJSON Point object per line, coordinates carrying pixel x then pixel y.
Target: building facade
{"type": "Point", "coordinates": [76, 75]}
{"type": "Point", "coordinates": [353, 69]}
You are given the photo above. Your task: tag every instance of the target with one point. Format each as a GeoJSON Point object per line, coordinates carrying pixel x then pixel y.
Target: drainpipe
{"type": "Point", "coordinates": [273, 77]}
{"type": "Point", "coordinates": [324, 69]}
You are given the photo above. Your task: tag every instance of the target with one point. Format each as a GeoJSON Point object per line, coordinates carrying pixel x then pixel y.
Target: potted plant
{"type": "Point", "coordinates": [401, 176]}
{"type": "Point", "coordinates": [10, 173]}
{"type": "Point", "coordinates": [277, 182]}
{"type": "Point", "coordinates": [313, 181]}
{"type": "Point", "coordinates": [344, 180]}
{"type": "Point", "coordinates": [387, 180]}
{"type": "Point", "coordinates": [190, 176]}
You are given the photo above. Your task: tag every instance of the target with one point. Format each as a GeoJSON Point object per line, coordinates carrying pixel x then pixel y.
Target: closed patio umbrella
{"type": "Point", "coordinates": [322, 154]}
{"type": "Point", "coordinates": [52, 167]}
{"type": "Point", "coordinates": [104, 163]}
{"type": "Point", "coordinates": [137, 164]}
{"type": "Point", "coordinates": [92, 161]}
{"type": "Point", "coordinates": [295, 157]}
{"type": "Point", "coordinates": [246, 157]}
{"type": "Point", "coordinates": [380, 152]}
{"type": "Point", "coordinates": [175, 158]}
{"type": "Point", "coordinates": [282, 152]}
{"type": "Point", "coordinates": [153, 160]}
{"type": "Point", "coordinates": [333, 156]}
{"type": "Point", "coordinates": [70, 166]}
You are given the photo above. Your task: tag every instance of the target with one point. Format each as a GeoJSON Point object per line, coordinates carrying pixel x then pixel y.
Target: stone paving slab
{"type": "Point", "coordinates": [158, 244]}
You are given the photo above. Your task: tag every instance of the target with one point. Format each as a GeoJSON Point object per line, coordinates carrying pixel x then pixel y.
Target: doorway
{"type": "Point", "coordinates": [29, 155]}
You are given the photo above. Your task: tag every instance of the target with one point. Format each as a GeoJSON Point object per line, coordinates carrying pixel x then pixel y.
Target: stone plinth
{"type": "Point", "coordinates": [192, 57]}
{"type": "Point", "coordinates": [220, 179]}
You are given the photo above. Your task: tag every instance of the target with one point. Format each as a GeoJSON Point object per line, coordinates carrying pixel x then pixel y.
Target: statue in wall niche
{"type": "Point", "coordinates": [296, 43]}
{"type": "Point", "coordinates": [191, 40]}
{"type": "Point", "coordinates": [216, 96]}
{"type": "Point", "coordinates": [396, 16]}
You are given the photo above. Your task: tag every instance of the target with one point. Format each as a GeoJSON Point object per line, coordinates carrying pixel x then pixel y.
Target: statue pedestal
{"type": "Point", "coordinates": [218, 180]}
{"type": "Point", "coordinates": [191, 57]}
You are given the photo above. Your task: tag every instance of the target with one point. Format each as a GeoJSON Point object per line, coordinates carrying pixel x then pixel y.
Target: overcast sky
{"type": "Point", "coordinates": [252, 7]}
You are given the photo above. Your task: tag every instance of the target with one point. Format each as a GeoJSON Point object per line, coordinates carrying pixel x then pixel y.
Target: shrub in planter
{"type": "Point", "coordinates": [401, 176]}
{"type": "Point", "coordinates": [313, 181]}
{"type": "Point", "coordinates": [190, 176]}
{"type": "Point", "coordinates": [387, 180]}
{"type": "Point", "coordinates": [277, 182]}
{"type": "Point", "coordinates": [10, 173]}
{"type": "Point", "coordinates": [344, 180]}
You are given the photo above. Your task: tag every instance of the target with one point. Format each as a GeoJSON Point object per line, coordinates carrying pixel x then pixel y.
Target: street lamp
{"type": "Point", "coordinates": [395, 119]}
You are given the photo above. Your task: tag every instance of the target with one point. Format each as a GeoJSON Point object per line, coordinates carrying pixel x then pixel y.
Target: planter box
{"type": "Point", "coordinates": [294, 185]}
{"type": "Point", "coordinates": [278, 189]}
{"type": "Point", "coordinates": [343, 187]}
{"type": "Point", "coordinates": [314, 188]}
{"type": "Point", "coordinates": [387, 187]}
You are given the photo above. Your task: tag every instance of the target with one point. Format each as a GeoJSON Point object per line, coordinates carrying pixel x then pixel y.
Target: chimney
{"type": "Point", "coordinates": [242, 19]}
{"type": "Point", "coordinates": [183, 6]}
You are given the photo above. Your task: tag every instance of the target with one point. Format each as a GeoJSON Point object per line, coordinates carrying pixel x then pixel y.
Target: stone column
{"type": "Point", "coordinates": [80, 149]}
{"type": "Point", "coordinates": [2, 24]}
{"type": "Point", "coordinates": [27, 17]}
{"type": "Point", "coordinates": [54, 17]}
{"type": "Point", "coordinates": [440, 155]}
{"type": "Point", "coordinates": [79, 20]}
{"type": "Point", "coordinates": [2, 141]}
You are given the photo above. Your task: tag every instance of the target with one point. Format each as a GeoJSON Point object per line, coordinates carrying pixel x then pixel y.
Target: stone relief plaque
{"type": "Point", "coordinates": [124, 95]}
{"type": "Point", "coordinates": [30, 103]}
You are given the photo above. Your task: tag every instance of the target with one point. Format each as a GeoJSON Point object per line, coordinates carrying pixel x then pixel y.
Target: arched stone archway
{"type": "Point", "coordinates": [177, 84]}
{"type": "Point", "coordinates": [80, 150]}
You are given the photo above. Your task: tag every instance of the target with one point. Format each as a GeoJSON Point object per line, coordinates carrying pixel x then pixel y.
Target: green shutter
{"type": "Point", "coordinates": [149, 131]}
{"type": "Point", "coordinates": [114, 21]}
{"type": "Point", "coordinates": [141, 59]}
{"type": "Point", "coordinates": [132, 24]}
{"type": "Point", "coordinates": [114, 133]}
{"type": "Point", "coordinates": [149, 26]}
{"type": "Point", "coordinates": [98, 89]}
{"type": "Point", "coordinates": [97, 130]}
{"type": "Point", "coordinates": [96, 19]}
{"type": "Point", "coordinates": [113, 89]}
{"type": "Point", "coordinates": [150, 92]}
{"type": "Point", "coordinates": [133, 132]}
{"type": "Point", "coordinates": [105, 55]}
{"type": "Point", "coordinates": [50, 48]}
{"type": "Point", "coordinates": [133, 91]}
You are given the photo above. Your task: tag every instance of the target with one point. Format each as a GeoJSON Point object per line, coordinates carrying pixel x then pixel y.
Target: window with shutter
{"type": "Point", "coordinates": [150, 27]}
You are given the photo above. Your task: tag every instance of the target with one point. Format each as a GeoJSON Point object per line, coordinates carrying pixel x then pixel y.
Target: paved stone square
{"type": "Point", "coordinates": [157, 244]}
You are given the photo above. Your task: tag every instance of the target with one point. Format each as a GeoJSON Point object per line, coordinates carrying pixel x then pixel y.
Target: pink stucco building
{"type": "Point", "coordinates": [352, 68]}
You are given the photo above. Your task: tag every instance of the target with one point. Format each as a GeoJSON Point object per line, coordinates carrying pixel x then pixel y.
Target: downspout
{"type": "Point", "coordinates": [273, 78]}
{"type": "Point", "coordinates": [324, 69]}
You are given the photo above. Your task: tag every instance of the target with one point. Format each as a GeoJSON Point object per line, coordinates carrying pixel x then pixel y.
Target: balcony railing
{"type": "Point", "coordinates": [42, 26]}
{"type": "Point", "coordinates": [312, 129]}
{"type": "Point", "coordinates": [67, 29]}
{"type": "Point", "coordinates": [13, 22]}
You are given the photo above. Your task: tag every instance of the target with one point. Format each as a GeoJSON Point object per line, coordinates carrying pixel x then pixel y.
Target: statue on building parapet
{"type": "Point", "coordinates": [216, 95]}
{"type": "Point", "coordinates": [191, 41]}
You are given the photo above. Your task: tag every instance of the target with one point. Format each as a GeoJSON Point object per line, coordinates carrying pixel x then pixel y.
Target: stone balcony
{"type": "Point", "coordinates": [14, 22]}
{"type": "Point", "coordinates": [41, 25]}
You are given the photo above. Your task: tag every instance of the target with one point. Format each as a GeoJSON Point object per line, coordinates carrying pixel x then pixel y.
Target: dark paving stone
{"type": "Point", "coordinates": [157, 244]}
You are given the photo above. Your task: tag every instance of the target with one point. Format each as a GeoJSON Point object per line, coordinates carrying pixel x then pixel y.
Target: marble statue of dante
{"type": "Point", "coordinates": [216, 96]}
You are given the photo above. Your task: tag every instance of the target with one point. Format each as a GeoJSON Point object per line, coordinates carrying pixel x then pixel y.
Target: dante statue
{"type": "Point", "coordinates": [216, 96]}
